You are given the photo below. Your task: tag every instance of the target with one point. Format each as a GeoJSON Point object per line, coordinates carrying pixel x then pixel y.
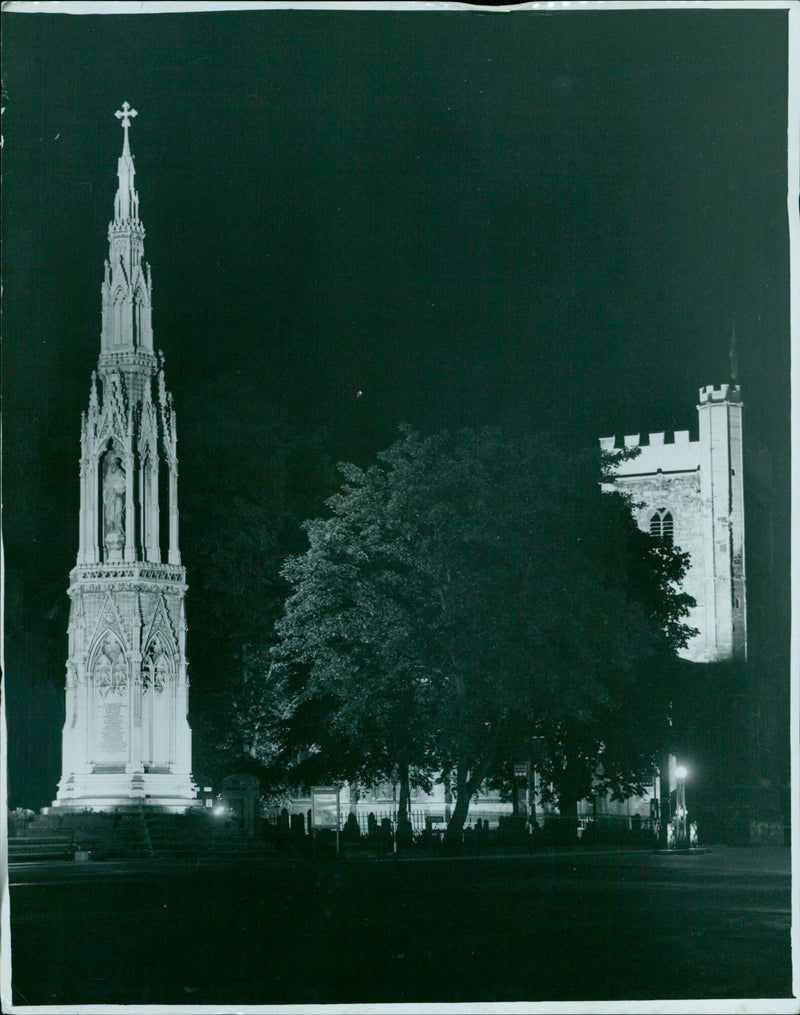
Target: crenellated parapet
{"type": "Point", "coordinates": [723, 393]}
{"type": "Point", "coordinates": [660, 451]}
{"type": "Point", "coordinates": [636, 440]}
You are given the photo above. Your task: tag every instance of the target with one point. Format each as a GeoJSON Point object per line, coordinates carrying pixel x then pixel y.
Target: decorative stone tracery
{"type": "Point", "coordinates": [155, 667]}
{"type": "Point", "coordinates": [110, 668]}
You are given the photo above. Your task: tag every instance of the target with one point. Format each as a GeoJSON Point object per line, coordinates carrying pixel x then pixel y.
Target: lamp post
{"type": "Point", "coordinates": [681, 828]}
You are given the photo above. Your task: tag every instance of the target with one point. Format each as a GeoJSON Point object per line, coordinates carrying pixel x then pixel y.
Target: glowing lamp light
{"type": "Point", "coordinates": [219, 809]}
{"type": "Point", "coordinates": [682, 837]}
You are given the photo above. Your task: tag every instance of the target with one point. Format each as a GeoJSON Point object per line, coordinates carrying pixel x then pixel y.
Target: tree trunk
{"type": "Point", "coordinates": [514, 792]}
{"type": "Point", "coordinates": [455, 827]}
{"type": "Point", "coordinates": [404, 804]}
{"type": "Point", "coordinates": [465, 787]}
{"type": "Point", "coordinates": [404, 832]}
{"type": "Point", "coordinates": [568, 823]}
{"type": "Point", "coordinates": [354, 795]}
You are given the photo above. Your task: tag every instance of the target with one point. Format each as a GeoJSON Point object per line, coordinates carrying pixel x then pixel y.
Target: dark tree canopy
{"type": "Point", "coordinates": [240, 518]}
{"type": "Point", "coordinates": [472, 596]}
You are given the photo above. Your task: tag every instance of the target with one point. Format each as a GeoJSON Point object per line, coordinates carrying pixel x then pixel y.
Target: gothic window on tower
{"type": "Point", "coordinates": [662, 526]}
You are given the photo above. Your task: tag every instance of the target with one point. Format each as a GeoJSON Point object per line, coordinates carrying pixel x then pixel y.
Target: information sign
{"type": "Point", "coordinates": [325, 811]}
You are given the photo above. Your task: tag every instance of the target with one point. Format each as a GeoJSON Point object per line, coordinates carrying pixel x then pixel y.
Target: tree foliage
{"type": "Point", "coordinates": [469, 596]}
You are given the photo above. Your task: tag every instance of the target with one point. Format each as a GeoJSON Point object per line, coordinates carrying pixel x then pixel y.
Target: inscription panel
{"type": "Point", "coordinates": [112, 732]}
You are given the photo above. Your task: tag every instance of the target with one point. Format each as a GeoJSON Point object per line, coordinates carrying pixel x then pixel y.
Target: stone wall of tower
{"type": "Point", "coordinates": [700, 483]}
{"type": "Point", "coordinates": [720, 424]}
{"type": "Point", "coordinates": [680, 494]}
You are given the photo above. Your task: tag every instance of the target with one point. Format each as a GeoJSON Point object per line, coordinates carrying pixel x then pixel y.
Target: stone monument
{"type": "Point", "coordinates": [126, 738]}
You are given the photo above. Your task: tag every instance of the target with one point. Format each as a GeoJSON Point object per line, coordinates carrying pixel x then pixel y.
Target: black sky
{"type": "Point", "coordinates": [546, 220]}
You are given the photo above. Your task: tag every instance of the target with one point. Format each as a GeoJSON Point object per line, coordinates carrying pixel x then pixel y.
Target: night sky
{"type": "Point", "coordinates": [549, 221]}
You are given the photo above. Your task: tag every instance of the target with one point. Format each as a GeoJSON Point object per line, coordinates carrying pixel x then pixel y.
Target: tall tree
{"type": "Point", "coordinates": [470, 592]}
{"type": "Point", "coordinates": [355, 625]}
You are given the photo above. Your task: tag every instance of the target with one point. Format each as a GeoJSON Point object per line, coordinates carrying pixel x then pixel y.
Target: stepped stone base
{"type": "Point", "coordinates": [134, 832]}
{"type": "Point", "coordinates": [118, 791]}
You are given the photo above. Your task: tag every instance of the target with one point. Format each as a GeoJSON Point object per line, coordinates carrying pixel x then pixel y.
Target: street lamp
{"type": "Point", "coordinates": [681, 837]}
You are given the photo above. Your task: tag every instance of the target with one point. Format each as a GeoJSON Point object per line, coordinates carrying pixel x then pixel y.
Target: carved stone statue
{"type": "Point", "coordinates": [114, 498]}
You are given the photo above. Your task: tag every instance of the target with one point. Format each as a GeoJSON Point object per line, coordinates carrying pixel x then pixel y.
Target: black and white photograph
{"type": "Point", "coordinates": [397, 507]}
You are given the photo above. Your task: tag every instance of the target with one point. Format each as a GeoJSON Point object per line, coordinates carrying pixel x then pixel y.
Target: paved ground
{"type": "Point", "coordinates": [568, 926]}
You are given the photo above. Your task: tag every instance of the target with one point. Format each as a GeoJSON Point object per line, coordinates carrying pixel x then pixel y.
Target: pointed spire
{"type": "Point", "coordinates": [734, 354]}
{"type": "Point", "coordinates": [126, 205]}
{"type": "Point", "coordinates": [126, 291]}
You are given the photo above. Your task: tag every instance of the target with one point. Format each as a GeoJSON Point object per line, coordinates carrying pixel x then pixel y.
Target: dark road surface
{"type": "Point", "coordinates": [602, 925]}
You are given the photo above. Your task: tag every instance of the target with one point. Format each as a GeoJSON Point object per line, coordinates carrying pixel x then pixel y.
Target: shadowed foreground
{"type": "Point", "coordinates": [569, 926]}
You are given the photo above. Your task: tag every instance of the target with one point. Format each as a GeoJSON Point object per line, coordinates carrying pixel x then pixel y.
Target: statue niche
{"type": "Point", "coordinates": [114, 485]}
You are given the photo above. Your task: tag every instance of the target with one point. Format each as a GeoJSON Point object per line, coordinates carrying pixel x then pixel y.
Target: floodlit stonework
{"type": "Point", "coordinates": [126, 738]}
{"type": "Point", "coordinates": [690, 491]}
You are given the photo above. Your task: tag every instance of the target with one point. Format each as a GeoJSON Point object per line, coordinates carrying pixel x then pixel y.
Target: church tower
{"type": "Point", "coordinates": [691, 492]}
{"type": "Point", "coordinates": [126, 738]}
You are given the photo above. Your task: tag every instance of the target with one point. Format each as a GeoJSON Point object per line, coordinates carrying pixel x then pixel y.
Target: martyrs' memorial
{"type": "Point", "coordinates": [126, 738]}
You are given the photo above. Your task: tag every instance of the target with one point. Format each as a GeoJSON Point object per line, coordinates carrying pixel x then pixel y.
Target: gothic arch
{"type": "Point", "coordinates": [160, 626]}
{"type": "Point", "coordinates": [111, 446]}
{"type": "Point", "coordinates": [662, 526]}
{"type": "Point", "coordinates": [109, 620]}
{"type": "Point", "coordinates": [158, 666]}
{"type": "Point", "coordinates": [113, 424]}
{"type": "Point", "coordinates": [109, 664]}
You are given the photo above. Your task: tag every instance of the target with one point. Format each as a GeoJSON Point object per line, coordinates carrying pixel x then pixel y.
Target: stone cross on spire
{"type": "Point", "coordinates": [125, 115]}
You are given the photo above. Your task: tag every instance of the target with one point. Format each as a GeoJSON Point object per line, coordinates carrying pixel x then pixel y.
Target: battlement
{"type": "Point", "coordinates": [669, 452]}
{"type": "Point", "coordinates": [652, 440]}
{"type": "Point", "coordinates": [658, 452]}
{"type": "Point", "coordinates": [724, 393]}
